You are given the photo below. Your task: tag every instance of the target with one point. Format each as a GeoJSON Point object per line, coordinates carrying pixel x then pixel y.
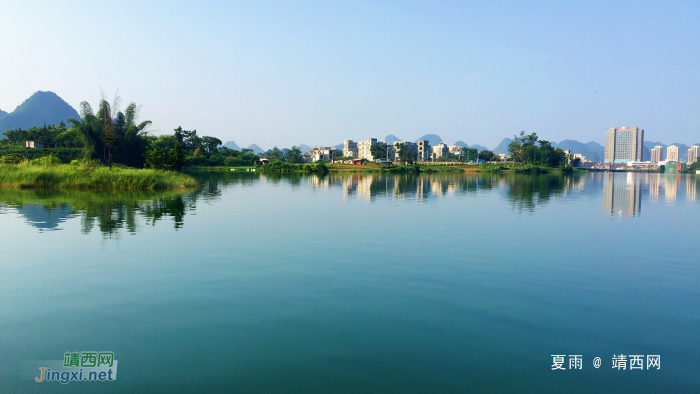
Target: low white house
{"type": "Point", "coordinates": [326, 153]}
{"type": "Point", "coordinates": [33, 145]}
{"type": "Point", "coordinates": [439, 150]}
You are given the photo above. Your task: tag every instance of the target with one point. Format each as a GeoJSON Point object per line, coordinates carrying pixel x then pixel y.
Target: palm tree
{"type": "Point", "coordinates": [111, 127]}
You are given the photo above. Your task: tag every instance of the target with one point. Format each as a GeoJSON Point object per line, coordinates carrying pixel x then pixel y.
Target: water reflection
{"type": "Point", "coordinates": [108, 211]}
{"type": "Point", "coordinates": [525, 192]}
{"type": "Point", "coordinates": [622, 192]}
{"type": "Point", "coordinates": [369, 187]}
{"type": "Point", "coordinates": [113, 212]}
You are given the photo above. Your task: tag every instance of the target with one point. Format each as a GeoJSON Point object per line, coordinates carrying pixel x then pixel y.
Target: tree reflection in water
{"type": "Point", "coordinates": [114, 211]}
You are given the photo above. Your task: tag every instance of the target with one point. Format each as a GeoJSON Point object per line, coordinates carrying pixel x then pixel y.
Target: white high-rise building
{"type": "Point", "coordinates": [350, 148]}
{"type": "Point", "coordinates": [693, 154]}
{"type": "Point", "coordinates": [624, 144]}
{"type": "Point", "coordinates": [656, 154]}
{"type": "Point", "coordinates": [364, 149]}
{"type": "Point", "coordinates": [672, 153]}
{"type": "Point", "coordinates": [439, 150]}
{"type": "Point", "coordinates": [424, 150]}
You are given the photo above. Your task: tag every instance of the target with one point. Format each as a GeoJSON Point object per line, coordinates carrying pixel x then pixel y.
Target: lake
{"type": "Point", "coordinates": [358, 283]}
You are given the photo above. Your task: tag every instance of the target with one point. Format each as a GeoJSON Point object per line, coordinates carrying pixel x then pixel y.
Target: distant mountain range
{"type": "Point", "coordinates": [232, 145]}
{"type": "Point", "coordinates": [433, 139]}
{"type": "Point", "coordinates": [502, 147]}
{"type": "Point", "coordinates": [39, 109]}
{"type": "Point", "coordinates": [479, 147]}
{"type": "Point", "coordinates": [593, 151]}
{"type": "Point", "coordinates": [682, 150]}
{"type": "Point", "coordinates": [256, 149]}
{"type": "Point", "coordinates": [390, 139]}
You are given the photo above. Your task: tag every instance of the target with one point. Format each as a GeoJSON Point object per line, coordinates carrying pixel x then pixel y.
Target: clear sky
{"type": "Point", "coordinates": [286, 73]}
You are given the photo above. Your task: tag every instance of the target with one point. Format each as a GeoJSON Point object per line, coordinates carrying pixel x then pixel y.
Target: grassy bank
{"type": "Point", "coordinates": [75, 177]}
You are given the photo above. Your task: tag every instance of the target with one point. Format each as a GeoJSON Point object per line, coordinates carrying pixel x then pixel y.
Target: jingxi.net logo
{"type": "Point", "coordinates": [86, 366]}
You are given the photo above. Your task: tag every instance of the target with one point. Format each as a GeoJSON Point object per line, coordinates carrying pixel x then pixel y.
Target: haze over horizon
{"type": "Point", "coordinates": [278, 74]}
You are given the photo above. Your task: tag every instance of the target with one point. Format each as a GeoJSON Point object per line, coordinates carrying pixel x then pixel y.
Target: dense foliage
{"type": "Point", "coordinates": [527, 149]}
{"type": "Point", "coordinates": [293, 155]}
{"type": "Point", "coordinates": [277, 166]}
{"type": "Point", "coordinates": [379, 151]}
{"type": "Point", "coordinates": [117, 137]}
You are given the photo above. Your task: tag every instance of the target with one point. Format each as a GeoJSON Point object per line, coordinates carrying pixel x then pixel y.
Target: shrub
{"type": "Point", "coordinates": [46, 161]}
{"type": "Point", "coordinates": [12, 158]}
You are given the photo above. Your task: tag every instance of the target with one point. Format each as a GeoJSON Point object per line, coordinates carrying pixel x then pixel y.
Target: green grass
{"type": "Point", "coordinates": [74, 177]}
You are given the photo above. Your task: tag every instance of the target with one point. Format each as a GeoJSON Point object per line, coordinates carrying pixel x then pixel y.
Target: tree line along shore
{"type": "Point", "coordinates": [111, 149]}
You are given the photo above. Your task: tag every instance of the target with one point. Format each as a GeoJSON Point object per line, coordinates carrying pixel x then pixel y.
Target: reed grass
{"type": "Point", "coordinates": [69, 176]}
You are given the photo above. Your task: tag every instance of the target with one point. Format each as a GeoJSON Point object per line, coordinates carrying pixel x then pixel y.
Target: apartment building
{"type": "Point", "coordinates": [326, 153]}
{"type": "Point", "coordinates": [624, 144]}
{"type": "Point", "coordinates": [693, 154]}
{"type": "Point", "coordinates": [439, 150]}
{"type": "Point", "coordinates": [672, 153]}
{"type": "Point", "coordinates": [424, 151]}
{"type": "Point", "coordinates": [350, 148]}
{"type": "Point", "coordinates": [364, 149]}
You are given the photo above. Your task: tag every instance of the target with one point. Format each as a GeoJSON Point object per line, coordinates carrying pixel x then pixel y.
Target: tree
{"type": "Point", "coordinates": [527, 149]}
{"type": "Point", "coordinates": [576, 162]}
{"type": "Point", "coordinates": [169, 160]}
{"type": "Point", "coordinates": [211, 144]}
{"type": "Point", "coordinates": [486, 155]}
{"type": "Point", "coordinates": [189, 139]}
{"type": "Point", "coordinates": [110, 136]}
{"type": "Point", "coordinates": [470, 154]}
{"type": "Point", "coordinates": [379, 151]}
{"type": "Point", "coordinates": [111, 129]}
{"type": "Point", "coordinates": [522, 149]}
{"type": "Point", "coordinates": [274, 154]}
{"type": "Point", "coordinates": [405, 154]}
{"type": "Point", "coordinates": [294, 155]}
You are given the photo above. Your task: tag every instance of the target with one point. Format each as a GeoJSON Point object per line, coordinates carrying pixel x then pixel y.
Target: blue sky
{"type": "Point", "coordinates": [287, 73]}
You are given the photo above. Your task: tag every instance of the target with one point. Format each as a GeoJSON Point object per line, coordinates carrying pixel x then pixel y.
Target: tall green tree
{"type": "Point", "coordinates": [486, 155]}
{"type": "Point", "coordinates": [470, 154]}
{"type": "Point", "coordinates": [294, 155]}
{"type": "Point", "coordinates": [404, 153]}
{"type": "Point", "coordinates": [379, 151]}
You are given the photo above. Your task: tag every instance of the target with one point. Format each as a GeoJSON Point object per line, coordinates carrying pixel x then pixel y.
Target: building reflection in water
{"type": "Point", "coordinates": [654, 186]}
{"type": "Point", "coordinates": [671, 187]}
{"type": "Point", "coordinates": [622, 194]}
{"type": "Point", "coordinates": [691, 188]}
{"type": "Point", "coordinates": [112, 212]}
{"type": "Point", "coordinates": [369, 187]}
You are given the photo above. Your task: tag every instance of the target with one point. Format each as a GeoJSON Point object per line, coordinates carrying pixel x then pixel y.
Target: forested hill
{"type": "Point", "coordinates": [39, 109]}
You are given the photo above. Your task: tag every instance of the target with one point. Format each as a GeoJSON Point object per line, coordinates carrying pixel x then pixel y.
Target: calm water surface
{"type": "Point", "coordinates": [357, 283]}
